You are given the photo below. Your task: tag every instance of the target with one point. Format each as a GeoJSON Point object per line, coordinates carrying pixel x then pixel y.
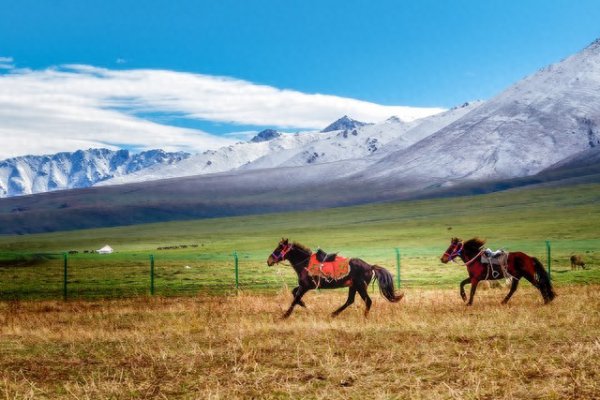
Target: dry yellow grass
{"type": "Point", "coordinates": [428, 346]}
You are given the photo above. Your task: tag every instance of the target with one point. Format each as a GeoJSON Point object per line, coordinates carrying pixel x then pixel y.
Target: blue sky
{"type": "Point", "coordinates": [389, 53]}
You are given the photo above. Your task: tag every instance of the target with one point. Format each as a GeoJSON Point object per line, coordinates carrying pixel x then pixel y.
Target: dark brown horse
{"type": "Point", "coordinates": [357, 280]}
{"type": "Point", "coordinates": [519, 265]}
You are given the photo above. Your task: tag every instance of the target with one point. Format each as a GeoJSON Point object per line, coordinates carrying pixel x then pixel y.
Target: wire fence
{"type": "Point", "coordinates": [181, 272]}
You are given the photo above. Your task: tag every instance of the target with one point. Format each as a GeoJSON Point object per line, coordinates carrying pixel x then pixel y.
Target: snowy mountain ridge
{"type": "Point", "coordinates": [303, 149]}
{"type": "Point", "coordinates": [35, 174]}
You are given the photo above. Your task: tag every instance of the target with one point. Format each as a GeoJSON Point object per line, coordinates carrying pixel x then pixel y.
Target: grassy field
{"type": "Point", "coordinates": [514, 220]}
{"type": "Point", "coordinates": [521, 217]}
{"type": "Point", "coordinates": [429, 346]}
{"type": "Point", "coordinates": [203, 345]}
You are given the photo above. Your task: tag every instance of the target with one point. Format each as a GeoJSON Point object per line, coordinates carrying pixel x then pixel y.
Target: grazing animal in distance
{"type": "Point", "coordinates": [577, 260]}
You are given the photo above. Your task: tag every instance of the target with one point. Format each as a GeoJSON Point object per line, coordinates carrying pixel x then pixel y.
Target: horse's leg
{"type": "Point", "coordinates": [542, 288]}
{"type": "Point", "coordinates": [513, 287]}
{"type": "Point", "coordinates": [300, 302]}
{"type": "Point", "coordinates": [297, 299]}
{"type": "Point", "coordinates": [462, 288]}
{"type": "Point", "coordinates": [350, 300]}
{"type": "Point", "coordinates": [474, 282]}
{"type": "Point", "coordinates": [362, 290]}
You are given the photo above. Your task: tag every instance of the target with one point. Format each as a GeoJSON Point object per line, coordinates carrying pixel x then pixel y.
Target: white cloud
{"type": "Point", "coordinates": [6, 63]}
{"type": "Point", "coordinates": [79, 106]}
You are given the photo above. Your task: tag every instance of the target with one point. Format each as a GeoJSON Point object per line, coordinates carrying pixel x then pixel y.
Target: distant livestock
{"type": "Point", "coordinates": [577, 260]}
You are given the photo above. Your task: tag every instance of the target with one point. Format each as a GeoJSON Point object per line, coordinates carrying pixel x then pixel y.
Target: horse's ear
{"type": "Point", "coordinates": [284, 241]}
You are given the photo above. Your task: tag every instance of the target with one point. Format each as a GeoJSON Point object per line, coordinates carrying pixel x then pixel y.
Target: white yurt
{"type": "Point", "coordinates": [105, 250]}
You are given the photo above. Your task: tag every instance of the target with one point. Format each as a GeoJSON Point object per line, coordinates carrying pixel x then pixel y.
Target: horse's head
{"type": "Point", "coordinates": [454, 250]}
{"type": "Point", "coordinates": [280, 252]}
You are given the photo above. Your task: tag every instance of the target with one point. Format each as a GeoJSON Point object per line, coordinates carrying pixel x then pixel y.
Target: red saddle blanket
{"type": "Point", "coordinates": [337, 269]}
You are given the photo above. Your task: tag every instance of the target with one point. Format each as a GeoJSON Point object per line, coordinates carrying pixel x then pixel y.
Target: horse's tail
{"type": "Point", "coordinates": [544, 281]}
{"type": "Point", "coordinates": [386, 284]}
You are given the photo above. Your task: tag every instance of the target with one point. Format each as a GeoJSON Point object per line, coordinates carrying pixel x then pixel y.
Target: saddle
{"type": "Point", "coordinates": [323, 256]}
{"type": "Point", "coordinates": [498, 257]}
{"type": "Point", "coordinates": [337, 268]}
{"type": "Point", "coordinates": [497, 261]}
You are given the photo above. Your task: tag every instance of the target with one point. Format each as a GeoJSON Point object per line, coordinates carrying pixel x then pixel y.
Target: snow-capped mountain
{"type": "Point", "coordinates": [213, 161]}
{"type": "Point", "coordinates": [366, 141]}
{"type": "Point", "coordinates": [536, 123]}
{"type": "Point", "coordinates": [539, 121]}
{"type": "Point", "coordinates": [35, 174]}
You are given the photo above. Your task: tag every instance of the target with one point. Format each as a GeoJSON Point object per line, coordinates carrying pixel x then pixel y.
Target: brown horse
{"type": "Point", "coordinates": [357, 280]}
{"type": "Point", "coordinates": [519, 265]}
{"type": "Point", "coordinates": [577, 260]}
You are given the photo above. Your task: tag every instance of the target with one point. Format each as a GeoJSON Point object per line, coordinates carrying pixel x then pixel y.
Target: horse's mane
{"type": "Point", "coordinates": [302, 247]}
{"type": "Point", "coordinates": [474, 244]}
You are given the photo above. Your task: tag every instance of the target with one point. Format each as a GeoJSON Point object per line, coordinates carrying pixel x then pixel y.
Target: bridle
{"type": "Point", "coordinates": [454, 251]}
{"type": "Point", "coordinates": [279, 257]}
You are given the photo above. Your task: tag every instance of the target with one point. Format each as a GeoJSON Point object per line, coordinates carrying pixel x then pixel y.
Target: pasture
{"type": "Point", "coordinates": [429, 346]}
{"type": "Point", "coordinates": [218, 342]}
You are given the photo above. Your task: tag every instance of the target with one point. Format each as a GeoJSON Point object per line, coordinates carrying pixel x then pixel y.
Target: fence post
{"type": "Point", "coordinates": [398, 267]}
{"type": "Point", "coordinates": [549, 256]}
{"type": "Point", "coordinates": [65, 276]}
{"type": "Point", "coordinates": [152, 274]}
{"type": "Point", "coordinates": [237, 272]}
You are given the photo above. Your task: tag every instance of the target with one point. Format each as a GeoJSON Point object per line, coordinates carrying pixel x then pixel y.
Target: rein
{"type": "Point", "coordinates": [474, 258]}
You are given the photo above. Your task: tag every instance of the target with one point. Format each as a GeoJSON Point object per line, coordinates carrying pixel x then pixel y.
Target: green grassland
{"type": "Point", "coordinates": [519, 219]}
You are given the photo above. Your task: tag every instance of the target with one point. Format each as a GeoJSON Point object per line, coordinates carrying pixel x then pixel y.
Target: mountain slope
{"type": "Point", "coordinates": [35, 174]}
{"type": "Point", "coordinates": [535, 123]}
